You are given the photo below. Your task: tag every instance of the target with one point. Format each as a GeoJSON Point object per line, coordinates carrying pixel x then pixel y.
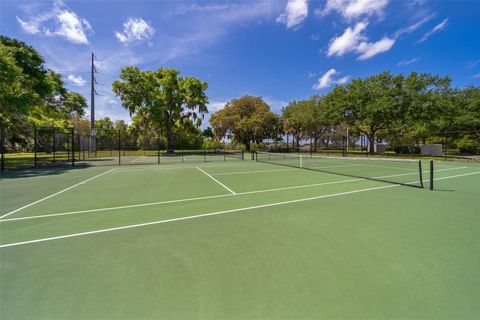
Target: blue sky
{"type": "Point", "coordinates": [280, 50]}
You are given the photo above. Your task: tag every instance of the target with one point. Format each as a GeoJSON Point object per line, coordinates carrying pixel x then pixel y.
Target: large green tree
{"type": "Point", "coordinates": [105, 133]}
{"type": "Point", "coordinates": [248, 119]}
{"type": "Point", "coordinates": [163, 97]}
{"type": "Point", "coordinates": [299, 119]}
{"type": "Point", "coordinates": [31, 92]}
{"type": "Point", "coordinates": [388, 104]}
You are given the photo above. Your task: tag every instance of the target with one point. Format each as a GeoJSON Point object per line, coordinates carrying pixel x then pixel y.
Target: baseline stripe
{"type": "Point", "coordinates": [216, 213]}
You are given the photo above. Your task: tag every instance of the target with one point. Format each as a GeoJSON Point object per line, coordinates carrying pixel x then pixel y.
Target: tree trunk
{"type": "Point", "coordinates": [371, 143]}
{"type": "Point", "coordinates": [247, 145]}
{"type": "Point", "coordinates": [170, 141]}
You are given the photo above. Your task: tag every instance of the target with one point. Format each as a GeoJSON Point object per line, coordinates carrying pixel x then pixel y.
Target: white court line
{"type": "Point", "coordinates": [57, 193]}
{"type": "Point", "coordinates": [181, 166]}
{"type": "Point", "coordinates": [216, 213]}
{"type": "Point", "coordinates": [338, 166]}
{"type": "Point", "coordinates": [227, 188]}
{"type": "Point", "coordinates": [248, 172]}
{"type": "Point", "coordinates": [277, 170]}
{"type": "Point", "coordinates": [136, 159]}
{"type": "Point", "coordinates": [202, 198]}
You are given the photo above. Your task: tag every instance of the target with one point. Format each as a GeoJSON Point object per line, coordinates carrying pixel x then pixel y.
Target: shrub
{"type": "Point", "coordinates": [407, 149]}
{"type": "Point", "coordinates": [468, 144]}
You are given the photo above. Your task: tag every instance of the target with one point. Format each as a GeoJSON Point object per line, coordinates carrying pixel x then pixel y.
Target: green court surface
{"type": "Point", "coordinates": [238, 240]}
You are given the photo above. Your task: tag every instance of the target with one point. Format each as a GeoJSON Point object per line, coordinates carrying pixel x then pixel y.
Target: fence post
{"type": "Point", "coordinates": [34, 146]}
{"type": "Point", "coordinates": [158, 150]}
{"type": "Point", "coordinates": [119, 148]}
{"type": "Point", "coordinates": [311, 151]}
{"type": "Point", "coordinates": [53, 144]}
{"type": "Point", "coordinates": [2, 145]}
{"type": "Point", "coordinates": [431, 175]}
{"type": "Point", "coordinates": [445, 142]}
{"type": "Point", "coordinates": [72, 132]}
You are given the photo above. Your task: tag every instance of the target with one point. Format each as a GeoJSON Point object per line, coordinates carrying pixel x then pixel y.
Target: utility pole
{"type": "Point", "coordinates": [92, 106]}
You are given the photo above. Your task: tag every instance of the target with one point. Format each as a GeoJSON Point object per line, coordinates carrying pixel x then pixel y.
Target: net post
{"type": "Point", "coordinates": [420, 173]}
{"type": "Point", "coordinates": [255, 155]}
{"type": "Point", "coordinates": [73, 146]}
{"type": "Point", "coordinates": [431, 174]}
{"type": "Point", "coordinates": [243, 154]}
{"type": "Point", "coordinates": [204, 154]}
{"type": "Point", "coordinates": [301, 161]}
{"type": "Point", "coordinates": [224, 153]}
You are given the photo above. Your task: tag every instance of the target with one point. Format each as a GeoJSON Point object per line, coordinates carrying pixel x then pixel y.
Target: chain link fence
{"type": "Point", "coordinates": [27, 146]}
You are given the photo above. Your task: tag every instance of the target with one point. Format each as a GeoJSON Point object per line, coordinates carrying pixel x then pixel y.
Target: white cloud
{"type": "Point", "coordinates": [29, 27]}
{"type": "Point", "coordinates": [476, 76]}
{"type": "Point", "coordinates": [327, 80]}
{"type": "Point", "coordinates": [76, 80]}
{"type": "Point", "coordinates": [354, 40]}
{"type": "Point", "coordinates": [348, 41]}
{"type": "Point", "coordinates": [370, 49]}
{"type": "Point", "coordinates": [296, 11]}
{"type": "Point", "coordinates": [411, 28]}
{"type": "Point", "coordinates": [435, 29]}
{"type": "Point", "coordinates": [60, 21]}
{"type": "Point", "coordinates": [406, 62]}
{"type": "Point", "coordinates": [71, 27]}
{"type": "Point", "coordinates": [208, 24]}
{"type": "Point", "coordinates": [135, 29]}
{"type": "Point", "coordinates": [214, 106]}
{"type": "Point", "coordinates": [352, 9]}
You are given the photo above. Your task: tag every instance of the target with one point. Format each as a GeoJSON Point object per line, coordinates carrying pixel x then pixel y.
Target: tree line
{"type": "Point", "coordinates": [403, 110]}
{"type": "Point", "coordinates": [168, 109]}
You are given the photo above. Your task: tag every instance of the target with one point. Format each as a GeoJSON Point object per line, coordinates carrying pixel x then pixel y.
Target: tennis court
{"type": "Point", "coordinates": [241, 240]}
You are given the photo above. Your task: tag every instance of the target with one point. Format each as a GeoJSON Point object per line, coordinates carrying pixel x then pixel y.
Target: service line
{"type": "Point", "coordinates": [57, 193]}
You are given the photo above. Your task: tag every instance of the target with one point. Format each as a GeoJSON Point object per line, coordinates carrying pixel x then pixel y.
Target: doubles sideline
{"type": "Point", "coordinates": [208, 197]}
{"type": "Point", "coordinates": [214, 213]}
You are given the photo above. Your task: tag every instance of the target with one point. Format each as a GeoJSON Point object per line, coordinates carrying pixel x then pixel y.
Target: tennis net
{"type": "Point", "coordinates": [236, 154]}
{"type": "Point", "coordinates": [397, 171]}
